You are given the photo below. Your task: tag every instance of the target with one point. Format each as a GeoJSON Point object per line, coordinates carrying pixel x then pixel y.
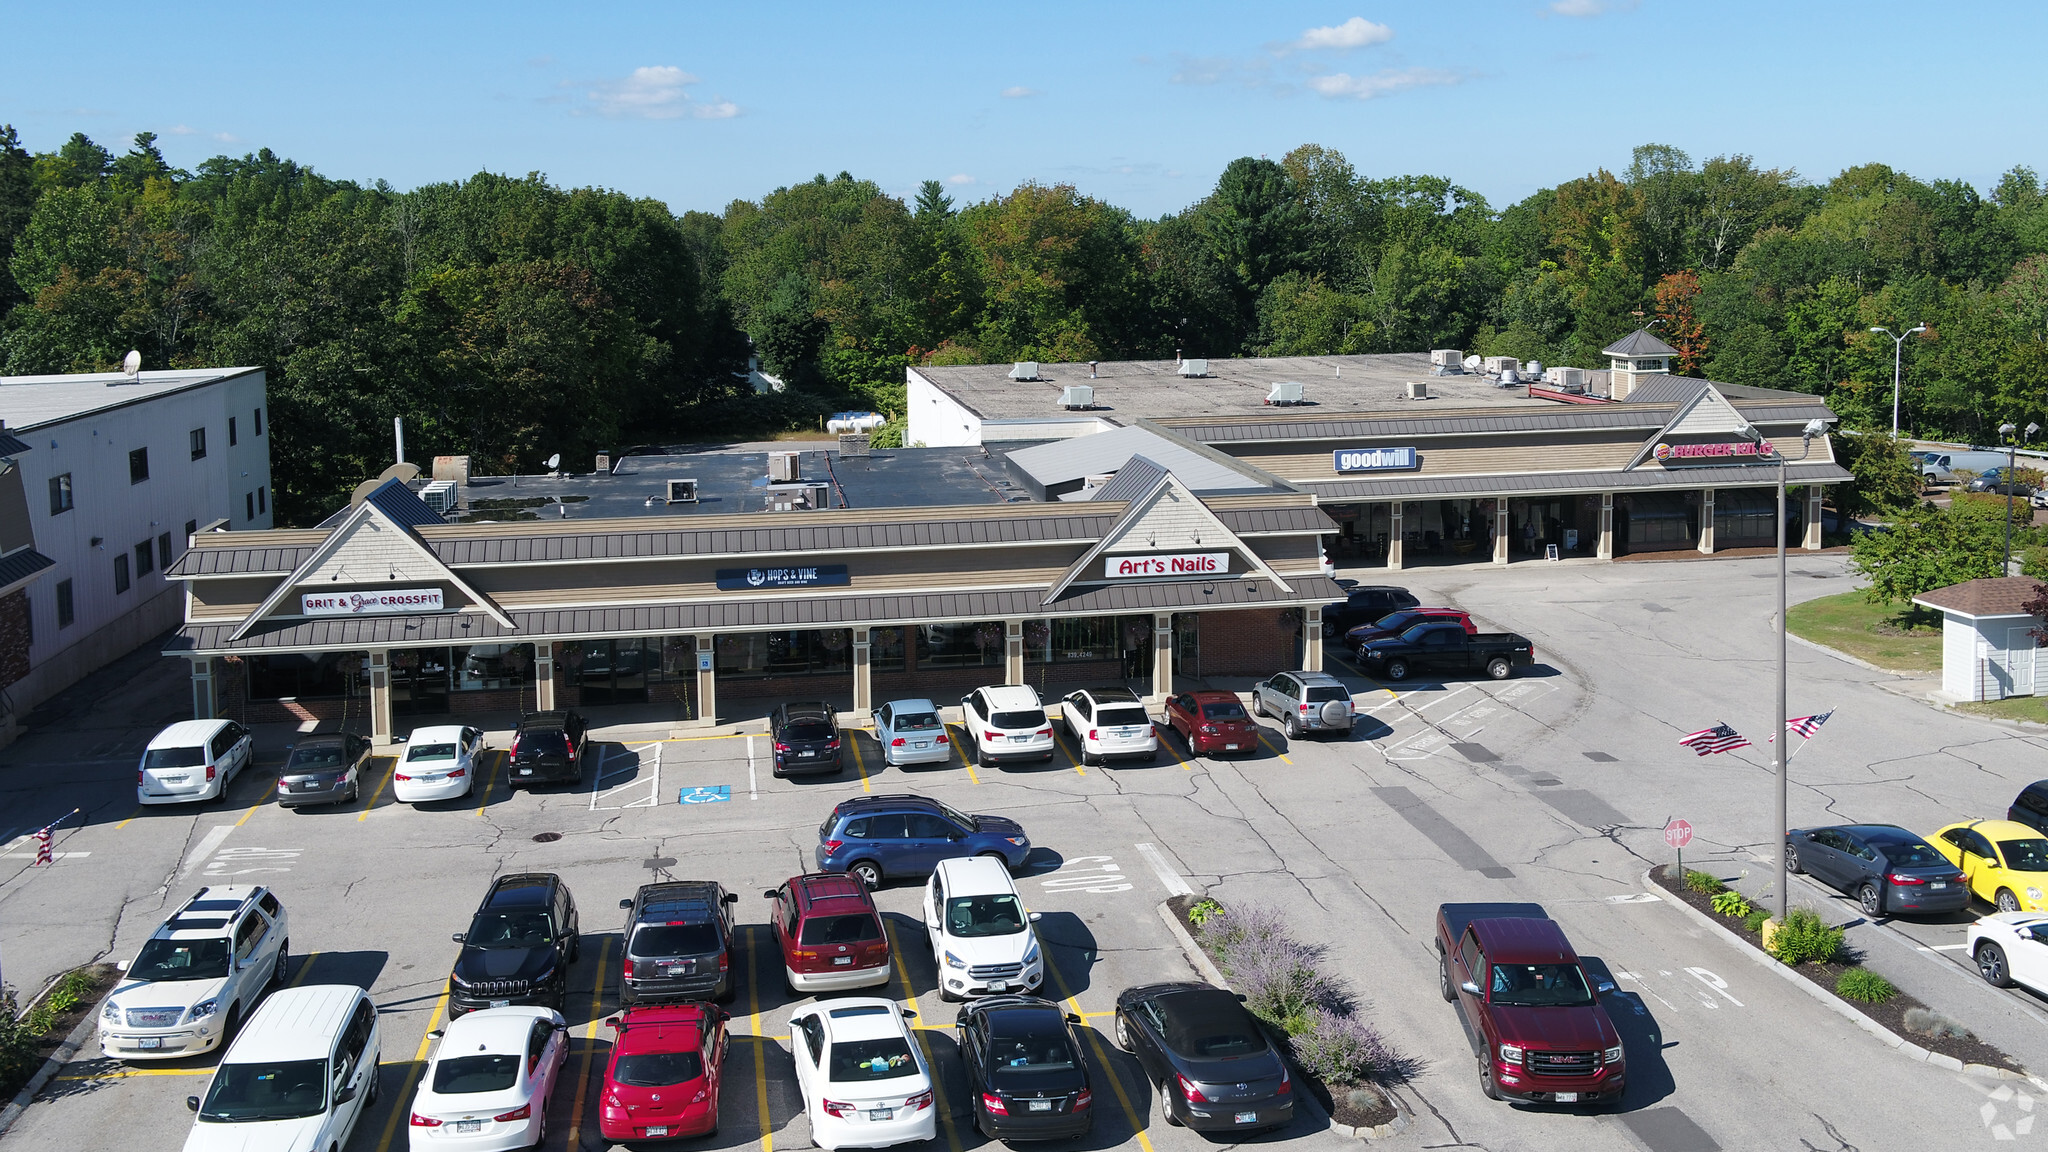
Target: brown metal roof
{"type": "Point", "coordinates": [1993, 596]}
{"type": "Point", "coordinates": [762, 536]}
{"type": "Point", "coordinates": [240, 561]}
{"type": "Point", "coordinates": [1262, 521]}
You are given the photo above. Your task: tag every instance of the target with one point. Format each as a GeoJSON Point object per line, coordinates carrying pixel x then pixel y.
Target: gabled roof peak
{"type": "Point", "coordinates": [1639, 343]}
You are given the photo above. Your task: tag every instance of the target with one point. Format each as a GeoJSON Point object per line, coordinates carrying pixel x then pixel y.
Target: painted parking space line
{"type": "Point", "coordinates": [1057, 743]}
{"type": "Point", "coordinates": [910, 994]}
{"type": "Point", "coordinates": [1102, 1058]}
{"type": "Point", "coordinates": [960, 747]}
{"type": "Point", "coordinates": [130, 818]}
{"type": "Point", "coordinates": [860, 762]}
{"type": "Point", "coordinates": [1175, 886]}
{"type": "Point", "coordinates": [604, 952]}
{"type": "Point", "coordinates": [203, 851]}
{"type": "Point", "coordinates": [629, 794]}
{"type": "Point", "coordinates": [401, 1104]}
{"type": "Point", "coordinates": [1273, 747]}
{"type": "Point", "coordinates": [383, 782]}
{"type": "Point", "coordinates": [754, 978]}
{"type": "Point", "coordinates": [498, 760]}
{"type": "Point", "coordinates": [1106, 876]}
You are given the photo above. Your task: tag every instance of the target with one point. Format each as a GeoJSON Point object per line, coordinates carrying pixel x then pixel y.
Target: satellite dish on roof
{"type": "Point", "coordinates": [554, 461]}
{"type": "Point", "coordinates": [362, 490]}
{"type": "Point", "coordinates": [131, 364]}
{"type": "Point", "coordinates": [400, 472]}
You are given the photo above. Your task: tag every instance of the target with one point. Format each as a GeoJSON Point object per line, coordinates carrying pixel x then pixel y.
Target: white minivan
{"type": "Point", "coordinates": [193, 760]}
{"type": "Point", "coordinates": [300, 1075]}
{"type": "Point", "coordinates": [981, 935]}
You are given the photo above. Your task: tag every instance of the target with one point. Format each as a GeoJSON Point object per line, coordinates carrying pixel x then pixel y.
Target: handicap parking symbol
{"type": "Point", "coordinates": [713, 795]}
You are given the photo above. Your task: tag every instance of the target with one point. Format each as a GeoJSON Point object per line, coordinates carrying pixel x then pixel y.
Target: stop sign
{"type": "Point", "coordinates": [1678, 833]}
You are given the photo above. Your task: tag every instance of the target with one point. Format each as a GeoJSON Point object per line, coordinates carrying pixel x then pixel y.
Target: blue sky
{"type": "Point", "coordinates": [697, 104]}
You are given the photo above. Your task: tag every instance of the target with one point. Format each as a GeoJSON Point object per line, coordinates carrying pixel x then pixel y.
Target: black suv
{"type": "Point", "coordinates": [2030, 807]}
{"type": "Point", "coordinates": [806, 738]}
{"type": "Point", "coordinates": [1363, 605]}
{"type": "Point", "coordinates": [519, 946]}
{"type": "Point", "coordinates": [678, 943]}
{"type": "Point", "coordinates": [547, 748]}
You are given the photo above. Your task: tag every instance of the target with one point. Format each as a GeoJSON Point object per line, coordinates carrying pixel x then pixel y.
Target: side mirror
{"type": "Point", "coordinates": [192, 1103]}
{"type": "Point", "coordinates": [732, 897]}
{"type": "Point", "coordinates": [347, 1094]}
{"type": "Point", "coordinates": [1035, 916]}
{"type": "Point", "coordinates": [437, 1033]}
{"type": "Point", "coordinates": [561, 1027]}
{"type": "Point", "coordinates": [723, 1015]}
{"type": "Point", "coordinates": [1470, 989]}
{"type": "Point", "coordinates": [612, 1022]}
{"type": "Point", "coordinates": [120, 965]}
{"type": "Point", "coordinates": [289, 747]}
{"type": "Point", "coordinates": [771, 894]}
{"type": "Point", "coordinates": [626, 903]}
{"type": "Point", "coordinates": [1604, 988]}
{"type": "Point", "coordinates": [457, 937]}
{"type": "Point", "coordinates": [1073, 1019]}
{"type": "Point", "coordinates": [909, 1014]}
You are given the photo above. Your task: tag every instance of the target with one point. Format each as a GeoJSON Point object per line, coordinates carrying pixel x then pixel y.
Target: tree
{"type": "Point", "coordinates": [1929, 548]}
{"type": "Point", "coordinates": [1682, 327]}
{"type": "Point", "coordinates": [78, 163]}
{"type": "Point", "coordinates": [1258, 226]}
{"type": "Point", "coordinates": [17, 202]}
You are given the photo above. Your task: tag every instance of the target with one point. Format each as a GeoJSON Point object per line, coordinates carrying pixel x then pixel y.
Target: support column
{"type": "Point", "coordinates": [1604, 550]}
{"type": "Point", "coordinates": [1396, 537]}
{"type": "Point", "coordinates": [1013, 651]}
{"type": "Point", "coordinates": [1814, 494]}
{"type": "Point", "coordinates": [1162, 656]}
{"type": "Point", "coordinates": [204, 703]}
{"type": "Point", "coordinates": [1707, 521]}
{"type": "Point", "coordinates": [1312, 638]}
{"type": "Point", "coordinates": [544, 676]}
{"type": "Point", "coordinates": [707, 681]}
{"type": "Point", "coordinates": [863, 678]}
{"type": "Point", "coordinates": [380, 696]}
{"type": "Point", "coordinates": [1500, 530]}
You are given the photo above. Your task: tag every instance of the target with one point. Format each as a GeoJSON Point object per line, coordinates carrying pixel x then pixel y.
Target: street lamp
{"type": "Point", "coordinates": [2012, 452]}
{"type": "Point", "coordinates": [1898, 342]}
{"type": "Point", "coordinates": [1813, 428]}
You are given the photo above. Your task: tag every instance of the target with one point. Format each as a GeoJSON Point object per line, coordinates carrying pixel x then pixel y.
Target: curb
{"type": "Point", "coordinates": [57, 1060]}
{"type": "Point", "coordinates": [1200, 959]}
{"type": "Point", "coordinates": [1838, 654]}
{"type": "Point", "coordinates": [1884, 1035]}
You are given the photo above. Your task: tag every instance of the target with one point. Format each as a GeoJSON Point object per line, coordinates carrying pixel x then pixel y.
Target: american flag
{"type": "Point", "coordinates": [1805, 726]}
{"type": "Point", "coordinates": [1719, 738]}
{"type": "Point", "coordinates": [43, 848]}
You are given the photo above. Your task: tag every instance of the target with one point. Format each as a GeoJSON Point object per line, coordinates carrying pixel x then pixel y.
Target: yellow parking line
{"type": "Point", "coordinates": [960, 746]}
{"type": "Point", "coordinates": [1102, 1060]}
{"type": "Point", "coordinates": [604, 953]}
{"type": "Point", "coordinates": [1275, 747]}
{"type": "Point", "coordinates": [490, 785]}
{"type": "Point", "coordinates": [124, 1073]}
{"type": "Point", "coordinates": [305, 969]}
{"type": "Point", "coordinates": [1062, 747]}
{"type": "Point", "coordinates": [130, 820]}
{"type": "Point", "coordinates": [249, 813]}
{"type": "Point", "coordinates": [1166, 742]}
{"type": "Point", "coordinates": [755, 950]}
{"type": "Point", "coordinates": [402, 1105]}
{"type": "Point", "coordinates": [938, 1090]}
{"type": "Point", "coordinates": [372, 805]}
{"type": "Point", "coordinates": [860, 763]}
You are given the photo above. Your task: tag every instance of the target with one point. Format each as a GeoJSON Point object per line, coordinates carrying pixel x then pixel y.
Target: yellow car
{"type": "Point", "coordinates": [2004, 862]}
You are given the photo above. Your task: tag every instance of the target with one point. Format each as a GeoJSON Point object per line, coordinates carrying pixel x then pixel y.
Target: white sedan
{"type": "Point", "coordinates": [488, 1084]}
{"type": "Point", "coordinates": [863, 1078]}
{"type": "Point", "coordinates": [439, 764]}
{"type": "Point", "coordinates": [2012, 948]}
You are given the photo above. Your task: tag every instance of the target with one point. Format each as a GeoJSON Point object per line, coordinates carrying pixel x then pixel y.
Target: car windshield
{"type": "Point", "coordinates": [1122, 714]}
{"type": "Point", "coordinates": [419, 752]}
{"type": "Point", "coordinates": [882, 1059]}
{"type": "Point", "coordinates": [314, 759]}
{"type": "Point", "coordinates": [854, 928]}
{"type": "Point", "coordinates": [984, 916]}
{"type": "Point", "coordinates": [1028, 718]}
{"type": "Point", "coordinates": [509, 929]}
{"type": "Point", "coordinates": [917, 722]}
{"type": "Point", "coordinates": [191, 757]}
{"type": "Point", "coordinates": [1326, 694]}
{"type": "Point", "coordinates": [657, 1069]}
{"type": "Point", "coordinates": [1540, 985]}
{"type": "Point", "coordinates": [283, 1091]}
{"type": "Point", "coordinates": [807, 730]}
{"type": "Point", "coordinates": [2025, 855]}
{"type": "Point", "coordinates": [960, 819]}
{"type": "Point", "coordinates": [1223, 710]}
{"type": "Point", "coordinates": [493, 1072]}
{"type": "Point", "coordinates": [674, 940]}
{"type": "Point", "coordinates": [1026, 1054]}
{"type": "Point", "coordinates": [181, 960]}
{"type": "Point", "coordinates": [1905, 854]}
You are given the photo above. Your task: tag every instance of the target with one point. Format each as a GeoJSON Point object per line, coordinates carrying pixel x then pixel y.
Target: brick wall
{"type": "Point", "coordinates": [1250, 642]}
{"type": "Point", "coordinates": [14, 636]}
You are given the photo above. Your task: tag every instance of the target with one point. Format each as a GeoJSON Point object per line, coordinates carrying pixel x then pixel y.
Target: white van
{"type": "Point", "coordinates": [1941, 464]}
{"type": "Point", "coordinates": [193, 760]}
{"type": "Point", "coordinates": [300, 1075]}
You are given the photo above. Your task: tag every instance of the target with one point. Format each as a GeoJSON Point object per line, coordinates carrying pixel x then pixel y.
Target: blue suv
{"type": "Point", "coordinates": [874, 838]}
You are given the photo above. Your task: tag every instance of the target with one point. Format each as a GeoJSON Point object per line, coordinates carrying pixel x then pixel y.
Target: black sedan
{"type": "Point", "coordinates": [1887, 869]}
{"type": "Point", "coordinates": [1025, 1069]}
{"type": "Point", "coordinates": [324, 769]}
{"type": "Point", "coordinates": [1211, 1064]}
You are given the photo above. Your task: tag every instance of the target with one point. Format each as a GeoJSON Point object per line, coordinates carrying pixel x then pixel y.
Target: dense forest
{"type": "Point", "coordinates": [509, 319]}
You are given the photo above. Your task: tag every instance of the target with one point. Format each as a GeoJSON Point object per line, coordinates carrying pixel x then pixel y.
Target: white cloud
{"type": "Point", "coordinates": [656, 92]}
{"type": "Point", "coordinates": [961, 178]}
{"type": "Point", "coordinates": [227, 137]}
{"type": "Point", "coordinates": [1019, 92]}
{"type": "Point", "coordinates": [1386, 83]}
{"type": "Point", "coordinates": [1589, 8]}
{"type": "Point", "coordinates": [181, 130]}
{"type": "Point", "coordinates": [1357, 32]}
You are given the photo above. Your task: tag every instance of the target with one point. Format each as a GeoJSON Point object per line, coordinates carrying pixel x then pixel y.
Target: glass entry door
{"type": "Point", "coordinates": [612, 671]}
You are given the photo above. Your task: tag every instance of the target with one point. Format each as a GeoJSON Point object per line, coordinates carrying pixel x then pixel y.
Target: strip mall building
{"type": "Point", "coordinates": [1166, 528]}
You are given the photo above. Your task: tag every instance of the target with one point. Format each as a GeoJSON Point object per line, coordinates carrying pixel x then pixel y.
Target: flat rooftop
{"type": "Point", "coordinates": [28, 402]}
{"type": "Point", "coordinates": [1129, 390]}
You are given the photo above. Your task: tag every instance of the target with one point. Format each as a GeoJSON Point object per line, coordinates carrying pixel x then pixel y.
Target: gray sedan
{"type": "Point", "coordinates": [1209, 1061]}
{"type": "Point", "coordinates": [1886, 868]}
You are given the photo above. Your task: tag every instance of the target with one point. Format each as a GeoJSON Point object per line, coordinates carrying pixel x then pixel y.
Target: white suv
{"type": "Point", "coordinates": [1110, 723]}
{"type": "Point", "coordinates": [1006, 722]}
{"type": "Point", "coordinates": [198, 975]}
{"type": "Point", "coordinates": [981, 936]}
{"type": "Point", "coordinates": [301, 1076]}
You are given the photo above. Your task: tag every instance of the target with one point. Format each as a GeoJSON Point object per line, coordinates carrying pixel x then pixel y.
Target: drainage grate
{"type": "Point", "coordinates": [1600, 758]}
{"type": "Point", "coordinates": [546, 837]}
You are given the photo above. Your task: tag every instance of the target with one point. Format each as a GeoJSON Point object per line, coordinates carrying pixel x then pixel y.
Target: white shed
{"type": "Point", "coordinates": [1988, 647]}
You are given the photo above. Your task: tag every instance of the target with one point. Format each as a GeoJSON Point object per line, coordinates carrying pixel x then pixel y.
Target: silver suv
{"type": "Point", "coordinates": [1304, 702]}
{"type": "Point", "coordinates": [198, 975]}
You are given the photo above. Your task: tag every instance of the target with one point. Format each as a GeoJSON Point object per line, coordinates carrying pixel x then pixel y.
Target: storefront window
{"type": "Point", "coordinates": [961, 645]}
{"type": "Point", "coordinates": [1081, 638]}
{"type": "Point", "coordinates": [307, 676]}
{"type": "Point", "coordinates": [482, 667]}
{"type": "Point", "coordinates": [1744, 514]}
{"type": "Point", "coordinates": [886, 648]}
{"type": "Point", "coordinates": [1659, 519]}
{"type": "Point", "coordinates": [817, 652]}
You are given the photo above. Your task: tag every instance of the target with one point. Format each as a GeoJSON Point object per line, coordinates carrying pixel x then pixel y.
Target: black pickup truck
{"type": "Point", "coordinates": [1443, 646]}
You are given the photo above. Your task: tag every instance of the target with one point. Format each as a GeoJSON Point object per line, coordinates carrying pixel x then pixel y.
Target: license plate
{"type": "Point", "coordinates": [1566, 1097]}
{"type": "Point", "coordinates": [1041, 1105]}
{"type": "Point", "coordinates": [1247, 1117]}
{"type": "Point", "coordinates": [468, 1126]}
{"type": "Point", "coordinates": [807, 755]}
{"type": "Point", "coordinates": [999, 985]}
{"type": "Point", "coordinates": [881, 1113]}
{"type": "Point", "coordinates": [526, 771]}
{"type": "Point", "coordinates": [501, 1003]}
{"type": "Point", "coordinates": [1938, 884]}
{"type": "Point", "coordinates": [431, 779]}
{"type": "Point", "coordinates": [173, 779]}
{"type": "Point", "coordinates": [921, 744]}
{"type": "Point", "coordinates": [671, 969]}
{"type": "Point", "coordinates": [150, 1042]}
{"type": "Point", "coordinates": [842, 959]}
{"type": "Point", "coordinates": [1230, 747]}
{"type": "Point", "coordinates": [661, 1130]}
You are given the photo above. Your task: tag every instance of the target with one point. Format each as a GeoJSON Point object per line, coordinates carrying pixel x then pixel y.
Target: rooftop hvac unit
{"type": "Point", "coordinates": [683, 491]}
{"type": "Point", "coordinates": [1447, 361]}
{"type": "Point", "coordinates": [1495, 365]}
{"type": "Point", "coordinates": [1509, 378]}
{"type": "Point", "coordinates": [818, 496]}
{"type": "Point", "coordinates": [1024, 370]}
{"type": "Point", "coordinates": [454, 468]}
{"type": "Point", "coordinates": [1418, 389]}
{"type": "Point", "coordinates": [1100, 480]}
{"type": "Point", "coordinates": [604, 462]}
{"type": "Point", "coordinates": [1566, 379]}
{"type": "Point", "coordinates": [854, 445]}
{"type": "Point", "coordinates": [783, 467]}
{"type": "Point", "coordinates": [1075, 396]}
{"type": "Point", "coordinates": [1285, 392]}
{"type": "Point", "coordinates": [1193, 368]}
{"type": "Point", "coordinates": [439, 495]}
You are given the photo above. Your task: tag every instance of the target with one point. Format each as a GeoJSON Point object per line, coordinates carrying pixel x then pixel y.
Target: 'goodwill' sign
{"type": "Point", "coordinates": [371, 603]}
{"type": "Point", "coordinates": [1185, 564]}
{"type": "Point", "coordinates": [1376, 460]}
{"type": "Point", "coordinates": [741, 579]}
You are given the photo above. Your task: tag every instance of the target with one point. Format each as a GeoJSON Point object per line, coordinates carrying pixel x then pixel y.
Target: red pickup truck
{"type": "Point", "coordinates": [1533, 1018]}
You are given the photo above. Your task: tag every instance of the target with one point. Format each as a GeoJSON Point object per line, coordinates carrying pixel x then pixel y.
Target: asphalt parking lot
{"type": "Point", "coordinates": [1550, 787]}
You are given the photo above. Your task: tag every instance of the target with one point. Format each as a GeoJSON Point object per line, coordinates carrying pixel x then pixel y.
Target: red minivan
{"type": "Point", "coordinates": [829, 932]}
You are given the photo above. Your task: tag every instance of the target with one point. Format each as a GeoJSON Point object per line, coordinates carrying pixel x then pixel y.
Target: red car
{"type": "Point", "coordinates": [1399, 622]}
{"type": "Point", "coordinates": [662, 1081]}
{"type": "Point", "coordinates": [1212, 722]}
{"type": "Point", "coordinates": [829, 934]}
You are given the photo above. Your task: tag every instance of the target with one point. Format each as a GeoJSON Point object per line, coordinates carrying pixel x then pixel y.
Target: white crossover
{"type": "Point", "coordinates": [981, 935]}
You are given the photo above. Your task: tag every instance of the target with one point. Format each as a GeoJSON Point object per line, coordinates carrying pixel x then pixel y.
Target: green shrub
{"type": "Point", "coordinates": [1704, 883]}
{"type": "Point", "coordinates": [1341, 1049]}
{"type": "Point", "coordinates": [1754, 919]}
{"type": "Point", "coordinates": [1865, 985]}
{"type": "Point", "coordinates": [1804, 938]}
{"type": "Point", "coordinates": [19, 1055]}
{"type": "Point", "coordinates": [1204, 911]}
{"type": "Point", "coordinates": [1731, 903]}
{"type": "Point", "coordinates": [1923, 1022]}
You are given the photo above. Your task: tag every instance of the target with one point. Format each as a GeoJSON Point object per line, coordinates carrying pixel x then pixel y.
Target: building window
{"type": "Point", "coordinates": [308, 676]}
{"type": "Point", "coordinates": [138, 465]}
{"type": "Point", "coordinates": [145, 559]}
{"type": "Point", "coordinates": [961, 645]}
{"type": "Point", "coordinates": [163, 551]}
{"type": "Point", "coordinates": [66, 611]}
{"type": "Point", "coordinates": [191, 526]}
{"type": "Point", "coordinates": [827, 651]}
{"type": "Point", "coordinates": [262, 501]}
{"type": "Point", "coordinates": [60, 494]}
{"type": "Point", "coordinates": [886, 648]}
{"type": "Point", "coordinates": [259, 421]}
{"type": "Point", "coordinates": [121, 573]}
{"type": "Point", "coordinates": [232, 438]}
{"type": "Point", "coordinates": [249, 506]}
{"type": "Point", "coordinates": [199, 443]}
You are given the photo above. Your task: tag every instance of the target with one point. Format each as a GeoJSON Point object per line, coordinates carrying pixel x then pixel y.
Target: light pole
{"type": "Point", "coordinates": [2012, 452]}
{"type": "Point", "coordinates": [1898, 342]}
{"type": "Point", "coordinates": [1813, 428]}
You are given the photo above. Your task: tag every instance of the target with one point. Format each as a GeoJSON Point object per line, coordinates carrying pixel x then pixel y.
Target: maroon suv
{"type": "Point", "coordinates": [1212, 722]}
{"type": "Point", "coordinates": [1533, 1017]}
{"type": "Point", "coordinates": [829, 933]}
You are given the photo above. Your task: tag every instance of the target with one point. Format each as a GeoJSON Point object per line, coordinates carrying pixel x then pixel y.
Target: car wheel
{"type": "Point", "coordinates": [1258, 705]}
{"type": "Point", "coordinates": [2007, 902]}
{"type": "Point", "coordinates": [1992, 966]}
{"type": "Point", "coordinates": [1443, 977]}
{"type": "Point", "coordinates": [1487, 1087]}
{"type": "Point", "coordinates": [371, 1097]}
{"type": "Point", "coordinates": [284, 963]}
{"type": "Point", "coordinates": [1292, 727]}
{"type": "Point", "coordinates": [1499, 668]}
{"type": "Point", "coordinates": [1792, 860]}
{"type": "Point", "coordinates": [1870, 900]}
{"type": "Point", "coordinates": [868, 873]}
{"type": "Point", "coordinates": [1166, 1106]}
{"type": "Point", "coordinates": [234, 1024]}
{"type": "Point", "coordinates": [1123, 1034]}
{"type": "Point", "coordinates": [1397, 669]}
